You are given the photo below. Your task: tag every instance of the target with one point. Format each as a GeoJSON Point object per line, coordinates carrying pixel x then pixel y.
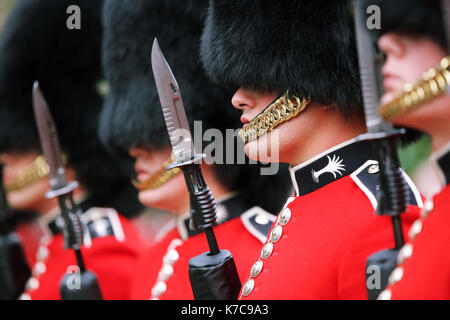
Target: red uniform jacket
{"type": "Point", "coordinates": [112, 247]}
{"type": "Point", "coordinates": [162, 272]}
{"type": "Point", "coordinates": [309, 253]}
{"type": "Point", "coordinates": [424, 266]}
{"type": "Point", "coordinates": [30, 233]}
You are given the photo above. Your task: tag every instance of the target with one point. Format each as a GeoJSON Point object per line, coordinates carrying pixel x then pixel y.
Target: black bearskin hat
{"type": "Point", "coordinates": [306, 46]}
{"type": "Point", "coordinates": [37, 44]}
{"type": "Point", "coordinates": [132, 115]}
{"type": "Point", "coordinates": [414, 17]}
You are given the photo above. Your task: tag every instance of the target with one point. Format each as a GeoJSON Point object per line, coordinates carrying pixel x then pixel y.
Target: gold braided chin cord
{"type": "Point", "coordinates": [434, 82]}
{"type": "Point", "coordinates": [281, 110]}
{"type": "Point", "coordinates": [33, 172]}
{"type": "Point", "coordinates": [159, 178]}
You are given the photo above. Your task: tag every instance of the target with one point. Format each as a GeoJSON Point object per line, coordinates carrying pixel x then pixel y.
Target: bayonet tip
{"type": "Point", "coordinates": [155, 42]}
{"type": "Point", "coordinates": [156, 50]}
{"type": "Point", "coordinates": [35, 86]}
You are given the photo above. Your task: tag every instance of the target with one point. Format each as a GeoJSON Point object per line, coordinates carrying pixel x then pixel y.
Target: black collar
{"type": "Point", "coordinates": [443, 161]}
{"type": "Point", "coordinates": [56, 225]}
{"type": "Point", "coordinates": [331, 165]}
{"type": "Point", "coordinates": [229, 208]}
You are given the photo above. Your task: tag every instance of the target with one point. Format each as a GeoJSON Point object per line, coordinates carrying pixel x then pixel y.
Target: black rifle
{"type": "Point", "coordinates": [82, 285]}
{"type": "Point", "coordinates": [393, 195]}
{"type": "Point", "coordinates": [213, 274]}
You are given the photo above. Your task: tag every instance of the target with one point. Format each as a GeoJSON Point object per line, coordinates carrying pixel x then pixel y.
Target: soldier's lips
{"type": "Point", "coordinates": [393, 83]}
{"type": "Point", "coordinates": [142, 176]}
{"type": "Point", "coordinates": [245, 121]}
{"type": "Point", "coordinates": [141, 173]}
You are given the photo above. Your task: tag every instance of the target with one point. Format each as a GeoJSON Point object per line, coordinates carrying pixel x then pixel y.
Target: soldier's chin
{"type": "Point", "coordinates": [167, 196]}
{"type": "Point", "coordinates": [387, 97]}
{"type": "Point", "coordinates": [151, 198]}
{"type": "Point", "coordinates": [265, 148]}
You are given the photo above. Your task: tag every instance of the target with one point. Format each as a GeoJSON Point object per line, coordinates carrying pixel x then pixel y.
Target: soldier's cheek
{"type": "Point", "coordinates": [31, 197]}
{"type": "Point", "coordinates": [172, 196]}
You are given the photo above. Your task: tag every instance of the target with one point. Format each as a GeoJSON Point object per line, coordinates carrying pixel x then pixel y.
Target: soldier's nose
{"type": "Point", "coordinates": [242, 99]}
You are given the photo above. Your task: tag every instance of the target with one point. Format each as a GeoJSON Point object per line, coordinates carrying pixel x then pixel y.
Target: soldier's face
{"type": "Point", "coordinates": [285, 143]}
{"type": "Point", "coordinates": [407, 58]}
{"type": "Point", "coordinates": [30, 197]}
{"type": "Point", "coordinates": [173, 195]}
{"type": "Point", "coordinates": [252, 103]}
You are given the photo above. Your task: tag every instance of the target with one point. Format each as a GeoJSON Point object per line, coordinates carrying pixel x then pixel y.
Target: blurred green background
{"type": "Point", "coordinates": [5, 6]}
{"type": "Point", "coordinates": [412, 156]}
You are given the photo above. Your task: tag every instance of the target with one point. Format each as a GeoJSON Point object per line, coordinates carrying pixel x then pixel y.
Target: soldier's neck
{"type": "Point", "coordinates": [333, 130]}
{"type": "Point", "coordinates": [440, 138]}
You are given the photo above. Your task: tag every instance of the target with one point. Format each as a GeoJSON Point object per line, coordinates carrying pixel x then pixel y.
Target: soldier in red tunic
{"type": "Point", "coordinates": [36, 44]}
{"type": "Point", "coordinates": [132, 122]}
{"type": "Point", "coordinates": [413, 38]}
{"type": "Point", "coordinates": [295, 66]}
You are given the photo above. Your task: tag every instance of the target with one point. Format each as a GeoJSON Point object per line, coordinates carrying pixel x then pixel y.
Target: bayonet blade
{"type": "Point", "coordinates": [172, 106]}
{"type": "Point", "coordinates": [49, 139]}
{"type": "Point", "coordinates": [368, 72]}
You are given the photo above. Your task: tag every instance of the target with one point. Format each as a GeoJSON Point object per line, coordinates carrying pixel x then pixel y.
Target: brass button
{"type": "Point", "coordinates": [261, 219]}
{"type": "Point", "coordinates": [373, 169]}
{"type": "Point", "coordinates": [396, 276]}
{"type": "Point", "coordinates": [24, 296]}
{"type": "Point", "coordinates": [427, 207]}
{"type": "Point", "coordinates": [385, 295]}
{"type": "Point", "coordinates": [267, 250]}
{"type": "Point", "coordinates": [171, 257]}
{"type": "Point", "coordinates": [416, 228]}
{"type": "Point", "coordinates": [159, 288]}
{"type": "Point", "coordinates": [248, 287]}
{"type": "Point", "coordinates": [276, 233]}
{"type": "Point", "coordinates": [405, 253]}
{"type": "Point", "coordinates": [39, 268]}
{"type": "Point", "coordinates": [175, 243]}
{"type": "Point", "coordinates": [42, 253]}
{"type": "Point", "coordinates": [32, 284]}
{"type": "Point", "coordinates": [256, 269]}
{"type": "Point", "coordinates": [284, 217]}
{"type": "Point", "coordinates": [166, 272]}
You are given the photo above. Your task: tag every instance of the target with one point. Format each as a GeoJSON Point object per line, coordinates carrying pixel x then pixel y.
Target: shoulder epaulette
{"type": "Point", "coordinates": [103, 222]}
{"type": "Point", "coordinates": [366, 177]}
{"type": "Point", "coordinates": [258, 222]}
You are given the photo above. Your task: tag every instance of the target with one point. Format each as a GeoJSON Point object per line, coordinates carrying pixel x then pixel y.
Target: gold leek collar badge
{"type": "Point", "coordinates": [281, 110]}
{"type": "Point", "coordinates": [434, 82]}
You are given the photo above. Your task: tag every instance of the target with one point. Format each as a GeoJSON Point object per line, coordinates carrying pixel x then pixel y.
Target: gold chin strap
{"type": "Point", "coordinates": [33, 172]}
{"type": "Point", "coordinates": [281, 110]}
{"type": "Point", "coordinates": [159, 178]}
{"type": "Point", "coordinates": [434, 82]}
